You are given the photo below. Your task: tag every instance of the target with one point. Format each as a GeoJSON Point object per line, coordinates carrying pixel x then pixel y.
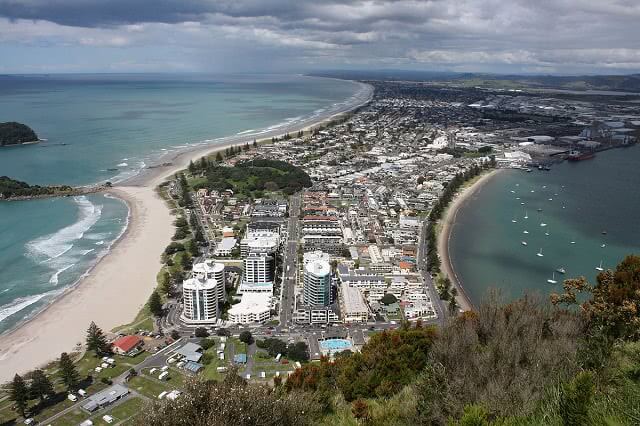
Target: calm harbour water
{"type": "Point", "coordinates": [108, 127]}
{"type": "Point", "coordinates": [578, 200]}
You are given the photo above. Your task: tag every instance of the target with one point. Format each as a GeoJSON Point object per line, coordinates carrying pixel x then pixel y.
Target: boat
{"type": "Point", "coordinates": [539, 210]}
{"type": "Point", "coordinates": [603, 245]}
{"type": "Point", "coordinates": [580, 156]}
{"type": "Point", "coordinates": [524, 243]}
{"type": "Point", "coordinates": [532, 191]}
{"type": "Point", "coordinates": [604, 232]}
{"type": "Point", "coordinates": [514, 220]}
{"type": "Point", "coordinates": [522, 204]}
{"type": "Point", "coordinates": [550, 199]}
{"type": "Point", "coordinates": [513, 192]}
{"type": "Point", "coordinates": [600, 268]}
{"type": "Point", "coordinates": [546, 233]}
{"type": "Point", "coordinates": [525, 232]}
{"type": "Point", "coordinates": [552, 280]}
{"type": "Point", "coordinates": [561, 270]}
{"type": "Point", "coordinates": [543, 224]}
{"type": "Point", "coordinates": [527, 170]}
{"type": "Point", "coordinates": [573, 242]}
{"type": "Point", "coordinates": [539, 254]}
{"type": "Point", "coordinates": [526, 215]}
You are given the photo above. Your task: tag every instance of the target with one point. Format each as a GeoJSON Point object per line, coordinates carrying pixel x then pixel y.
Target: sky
{"type": "Point", "coordinates": [496, 36]}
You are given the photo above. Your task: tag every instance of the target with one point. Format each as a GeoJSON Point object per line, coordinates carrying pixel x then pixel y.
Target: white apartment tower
{"type": "Point", "coordinates": [203, 292]}
{"type": "Point", "coordinates": [317, 283]}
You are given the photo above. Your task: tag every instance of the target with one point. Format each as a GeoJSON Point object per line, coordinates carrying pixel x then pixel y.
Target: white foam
{"type": "Point", "coordinates": [19, 304]}
{"type": "Point", "coordinates": [54, 278]}
{"type": "Point", "coordinates": [122, 165]}
{"type": "Point", "coordinates": [55, 245]}
{"type": "Point", "coordinates": [99, 243]}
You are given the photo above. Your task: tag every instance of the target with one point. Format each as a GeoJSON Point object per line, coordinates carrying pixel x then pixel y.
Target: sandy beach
{"type": "Point", "coordinates": [112, 294]}
{"type": "Point", "coordinates": [120, 283]}
{"type": "Point", "coordinates": [447, 225]}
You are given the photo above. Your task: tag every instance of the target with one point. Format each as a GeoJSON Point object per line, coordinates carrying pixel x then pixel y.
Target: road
{"type": "Point", "coordinates": [290, 263]}
{"type": "Point", "coordinates": [421, 258]}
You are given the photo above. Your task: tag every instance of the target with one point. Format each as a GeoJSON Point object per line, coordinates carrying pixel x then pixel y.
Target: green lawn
{"type": "Point", "coordinates": [124, 411]}
{"type": "Point", "coordinates": [72, 418]}
{"type": "Point", "coordinates": [149, 387]}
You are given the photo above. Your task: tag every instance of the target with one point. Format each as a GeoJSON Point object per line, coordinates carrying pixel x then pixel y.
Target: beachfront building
{"type": "Point", "coordinates": [260, 242]}
{"type": "Point", "coordinates": [317, 283]}
{"type": "Point", "coordinates": [352, 305]}
{"type": "Point", "coordinates": [253, 308]}
{"type": "Point", "coordinates": [212, 270]}
{"type": "Point", "coordinates": [203, 292]}
{"type": "Point", "coordinates": [127, 345]}
{"type": "Point", "coordinates": [258, 274]}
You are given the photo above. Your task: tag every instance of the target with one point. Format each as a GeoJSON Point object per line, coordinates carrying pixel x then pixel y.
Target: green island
{"type": "Point", "coordinates": [13, 133]}
{"type": "Point", "coordinates": [12, 189]}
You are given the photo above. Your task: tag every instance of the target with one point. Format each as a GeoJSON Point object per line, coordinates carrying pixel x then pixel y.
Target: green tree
{"type": "Point", "coordinates": [201, 332]}
{"type": "Point", "coordinates": [41, 386]}
{"type": "Point", "coordinates": [298, 351]}
{"type": "Point", "coordinates": [96, 340]}
{"type": "Point", "coordinates": [192, 167]}
{"type": "Point", "coordinates": [164, 281]}
{"type": "Point", "coordinates": [155, 304]}
{"type": "Point", "coordinates": [388, 299]}
{"type": "Point", "coordinates": [246, 337]}
{"type": "Point", "coordinates": [19, 393]}
{"type": "Point", "coordinates": [68, 372]}
{"type": "Point", "coordinates": [219, 157]}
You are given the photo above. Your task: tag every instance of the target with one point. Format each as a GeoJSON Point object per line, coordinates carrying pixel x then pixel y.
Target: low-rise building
{"type": "Point", "coordinates": [253, 308]}
{"type": "Point", "coordinates": [127, 345]}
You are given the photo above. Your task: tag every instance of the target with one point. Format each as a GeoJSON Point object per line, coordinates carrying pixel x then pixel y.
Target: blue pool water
{"type": "Point", "coordinates": [336, 345]}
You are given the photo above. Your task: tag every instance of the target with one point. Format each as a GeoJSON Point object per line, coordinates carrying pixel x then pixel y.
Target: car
{"type": "Point", "coordinates": [107, 418]}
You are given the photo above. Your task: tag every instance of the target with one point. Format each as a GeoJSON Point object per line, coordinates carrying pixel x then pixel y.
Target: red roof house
{"type": "Point", "coordinates": [126, 345]}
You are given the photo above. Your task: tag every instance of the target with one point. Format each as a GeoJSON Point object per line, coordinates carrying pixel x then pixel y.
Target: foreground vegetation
{"type": "Point", "coordinates": [529, 362]}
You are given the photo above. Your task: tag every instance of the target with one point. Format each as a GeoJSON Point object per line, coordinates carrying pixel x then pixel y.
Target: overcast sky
{"type": "Point", "coordinates": [504, 36]}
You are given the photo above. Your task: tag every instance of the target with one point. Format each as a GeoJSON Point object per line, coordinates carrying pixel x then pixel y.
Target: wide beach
{"type": "Point", "coordinates": [119, 285]}
{"type": "Point", "coordinates": [447, 225]}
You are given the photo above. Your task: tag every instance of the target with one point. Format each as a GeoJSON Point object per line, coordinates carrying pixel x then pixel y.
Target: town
{"type": "Point", "coordinates": [303, 246]}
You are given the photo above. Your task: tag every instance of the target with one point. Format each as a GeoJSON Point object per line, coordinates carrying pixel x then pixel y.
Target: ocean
{"type": "Point", "coordinates": [107, 128]}
{"type": "Point", "coordinates": [590, 214]}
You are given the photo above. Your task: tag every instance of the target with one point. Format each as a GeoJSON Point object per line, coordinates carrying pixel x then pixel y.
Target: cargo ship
{"type": "Point", "coordinates": [579, 156]}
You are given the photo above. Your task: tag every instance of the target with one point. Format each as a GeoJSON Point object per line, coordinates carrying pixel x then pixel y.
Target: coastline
{"type": "Point", "coordinates": [444, 236]}
{"type": "Point", "coordinates": [110, 293]}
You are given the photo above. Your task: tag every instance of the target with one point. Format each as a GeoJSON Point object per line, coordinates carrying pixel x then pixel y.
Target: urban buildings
{"type": "Point", "coordinates": [317, 283]}
{"type": "Point", "coordinates": [258, 274]}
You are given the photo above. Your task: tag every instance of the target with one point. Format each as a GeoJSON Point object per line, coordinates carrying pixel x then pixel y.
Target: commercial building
{"type": "Point", "coordinates": [316, 315]}
{"type": "Point", "coordinates": [253, 308]}
{"type": "Point", "coordinates": [352, 305]}
{"type": "Point", "coordinates": [203, 292]}
{"type": "Point", "coordinates": [260, 242]}
{"type": "Point", "coordinates": [258, 273]}
{"type": "Point", "coordinates": [226, 246]}
{"type": "Point", "coordinates": [317, 283]}
{"type": "Point", "coordinates": [105, 398]}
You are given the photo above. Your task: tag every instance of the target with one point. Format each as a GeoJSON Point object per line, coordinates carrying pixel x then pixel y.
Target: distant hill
{"type": "Point", "coordinates": [13, 133]}
{"type": "Point", "coordinates": [627, 83]}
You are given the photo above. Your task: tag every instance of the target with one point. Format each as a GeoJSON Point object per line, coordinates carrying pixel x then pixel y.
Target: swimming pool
{"type": "Point", "coordinates": [331, 346]}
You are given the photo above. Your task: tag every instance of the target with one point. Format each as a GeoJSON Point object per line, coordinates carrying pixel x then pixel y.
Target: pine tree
{"type": "Point", "coordinates": [41, 386]}
{"type": "Point", "coordinates": [203, 163]}
{"type": "Point", "coordinates": [155, 304]}
{"type": "Point", "coordinates": [219, 157]}
{"type": "Point", "coordinates": [96, 341]}
{"type": "Point", "coordinates": [19, 394]}
{"type": "Point", "coordinates": [68, 372]}
{"type": "Point", "coordinates": [192, 167]}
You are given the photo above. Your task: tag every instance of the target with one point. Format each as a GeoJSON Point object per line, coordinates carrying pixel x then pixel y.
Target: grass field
{"type": "Point", "coordinates": [149, 387]}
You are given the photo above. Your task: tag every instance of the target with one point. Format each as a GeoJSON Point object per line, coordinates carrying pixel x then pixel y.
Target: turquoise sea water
{"type": "Point", "coordinates": [579, 202]}
{"type": "Point", "coordinates": [108, 127]}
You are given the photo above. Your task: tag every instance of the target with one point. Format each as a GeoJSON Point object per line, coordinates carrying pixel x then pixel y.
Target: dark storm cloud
{"type": "Point", "coordinates": [463, 35]}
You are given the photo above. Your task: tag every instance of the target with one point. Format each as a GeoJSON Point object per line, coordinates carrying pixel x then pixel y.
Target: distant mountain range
{"type": "Point", "coordinates": [627, 83]}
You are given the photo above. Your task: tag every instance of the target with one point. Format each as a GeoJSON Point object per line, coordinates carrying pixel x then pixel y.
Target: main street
{"type": "Point", "coordinates": [290, 263]}
{"type": "Point", "coordinates": [421, 258]}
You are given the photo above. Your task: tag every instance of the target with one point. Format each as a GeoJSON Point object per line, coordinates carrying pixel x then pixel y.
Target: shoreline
{"type": "Point", "coordinates": [98, 294]}
{"type": "Point", "coordinates": [444, 236]}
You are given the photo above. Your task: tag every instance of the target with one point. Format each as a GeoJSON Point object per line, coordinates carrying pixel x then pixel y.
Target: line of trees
{"type": "Point", "coordinates": [298, 351]}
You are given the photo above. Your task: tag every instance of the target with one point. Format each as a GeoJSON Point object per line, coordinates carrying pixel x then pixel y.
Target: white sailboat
{"type": "Point", "coordinates": [552, 280]}
{"type": "Point", "coordinates": [539, 254]}
{"type": "Point", "coordinates": [524, 243]}
{"type": "Point", "coordinates": [561, 270]}
{"type": "Point", "coordinates": [514, 220]}
{"type": "Point", "coordinates": [600, 268]}
{"type": "Point", "coordinates": [526, 215]}
{"type": "Point", "coordinates": [543, 224]}
{"type": "Point", "coordinates": [525, 232]}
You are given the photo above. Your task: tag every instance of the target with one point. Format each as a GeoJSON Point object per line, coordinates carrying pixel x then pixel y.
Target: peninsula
{"type": "Point", "coordinates": [13, 133]}
{"type": "Point", "coordinates": [11, 189]}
